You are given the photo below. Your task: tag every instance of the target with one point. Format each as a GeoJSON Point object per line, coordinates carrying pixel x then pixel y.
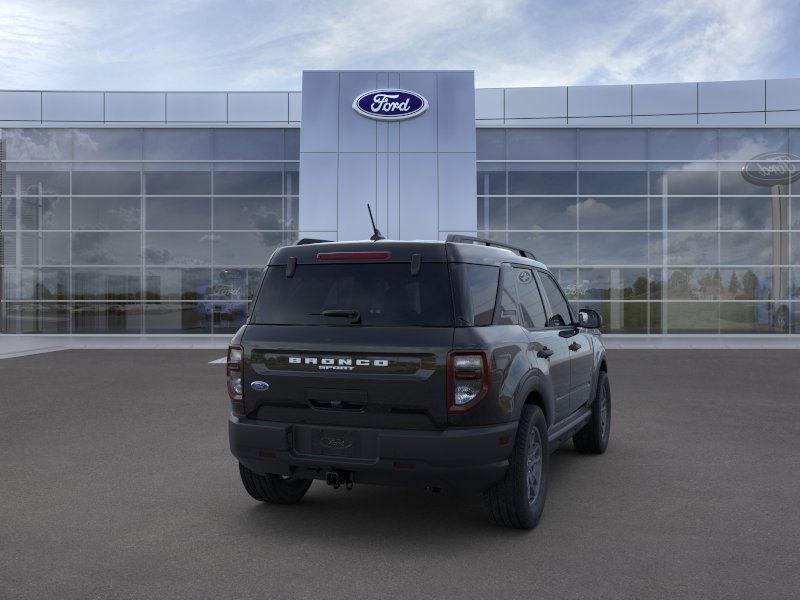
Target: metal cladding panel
{"type": "Point", "coordinates": [784, 118]}
{"type": "Point", "coordinates": [783, 94]}
{"type": "Point", "coordinates": [318, 190]}
{"type": "Point", "coordinates": [732, 119]}
{"type": "Point", "coordinates": [136, 107]}
{"type": "Point", "coordinates": [20, 106]}
{"type": "Point", "coordinates": [320, 129]}
{"type": "Point", "coordinates": [419, 134]}
{"type": "Point", "coordinates": [295, 101]}
{"type": "Point", "coordinates": [731, 96]}
{"type": "Point", "coordinates": [418, 193]}
{"type": "Point", "coordinates": [455, 111]}
{"type": "Point", "coordinates": [457, 210]}
{"type": "Point", "coordinates": [356, 134]}
{"type": "Point", "coordinates": [489, 103]}
{"type": "Point", "coordinates": [536, 103]}
{"type": "Point", "coordinates": [72, 106]}
{"type": "Point", "coordinates": [357, 184]}
{"type": "Point", "coordinates": [664, 99]}
{"type": "Point", "coordinates": [599, 121]}
{"type": "Point", "coordinates": [665, 120]}
{"type": "Point", "coordinates": [197, 107]}
{"type": "Point", "coordinates": [599, 101]}
{"type": "Point", "coordinates": [258, 106]}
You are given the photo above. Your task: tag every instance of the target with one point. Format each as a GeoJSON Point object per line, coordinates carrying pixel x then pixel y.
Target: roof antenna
{"type": "Point", "coordinates": [377, 234]}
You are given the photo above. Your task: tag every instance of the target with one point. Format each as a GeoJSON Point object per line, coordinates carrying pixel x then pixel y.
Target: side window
{"type": "Point", "coordinates": [507, 301]}
{"type": "Point", "coordinates": [558, 304]}
{"type": "Point", "coordinates": [530, 301]}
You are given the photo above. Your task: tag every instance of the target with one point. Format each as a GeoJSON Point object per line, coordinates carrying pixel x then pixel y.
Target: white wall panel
{"type": "Point", "coordinates": [599, 101]}
{"type": "Point", "coordinates": [536, 103]}
{"type": "Point", "coordinates": [197, 107]}
{"type": "Point", "coordinates": [489, 103]}
{"type": "Point", "coordinates": [20, 106]}
{"type": "Point", "coordinates": [730, 96]}
{"type": "Point", "coordinates": [418, 193]}
{"type": "Point", "coordinates": [664, 98]}
{"type": "Point", "coordinates": [357, 186]}
{"type": "Point", "coordinates": [458, 208]}
{"type": "Point", "coordinates": [132, 107]}
{"type": "Point", "coordinates": [72, 106]}
{"type": "Point", "coordinates": [318, 189]}
{"type": "Point", "coordinates": [258, 106]}
{"type": "Point", "coordinates": [783, 94]}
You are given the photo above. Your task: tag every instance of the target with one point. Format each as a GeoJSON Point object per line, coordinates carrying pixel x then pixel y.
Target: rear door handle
{"type": "Point", "coordinates": [545, 352]}
{"type": "Point", "coordinates": [574, 346]}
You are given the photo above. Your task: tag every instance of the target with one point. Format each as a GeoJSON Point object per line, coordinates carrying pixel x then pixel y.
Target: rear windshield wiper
{"type": "Point", "coordinates": [353, 315]}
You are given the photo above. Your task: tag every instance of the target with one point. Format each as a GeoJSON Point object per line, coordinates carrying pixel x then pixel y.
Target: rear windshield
{"type": "Point", "coordinates": [382, 294]}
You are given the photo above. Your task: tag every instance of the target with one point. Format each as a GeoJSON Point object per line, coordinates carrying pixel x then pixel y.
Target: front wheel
{"type": "Point", "coordinates": [273, 489]}
{"type": "Point", "coordinates": [518, 500]}
{"type": "Point", "coordinates": [593, 437]}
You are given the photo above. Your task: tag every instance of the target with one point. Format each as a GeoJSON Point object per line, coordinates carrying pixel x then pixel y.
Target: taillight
{"type": "Point", "coordinates": [234, 376]}
{"type": "Point", "coordinates": [468, 379]}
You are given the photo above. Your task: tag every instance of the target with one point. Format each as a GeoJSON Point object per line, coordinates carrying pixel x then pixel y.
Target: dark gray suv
{"type": "Point", "coordinates": [447, 365]}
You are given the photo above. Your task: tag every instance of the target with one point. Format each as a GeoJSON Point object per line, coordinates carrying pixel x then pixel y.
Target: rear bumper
{"type": "Point", "coordinates": [468, 458]}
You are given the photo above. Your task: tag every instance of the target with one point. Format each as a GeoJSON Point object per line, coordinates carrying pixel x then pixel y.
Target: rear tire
{"type": "Point", "coordinates": [518, 500]}
{"type": "Point", "coordinates": [273, 489]}
{"type": "Point", "coordinates": [593, 437]}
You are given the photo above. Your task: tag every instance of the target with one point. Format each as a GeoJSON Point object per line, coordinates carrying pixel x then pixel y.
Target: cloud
{"type": "Point", "coordinates": [205, 44]}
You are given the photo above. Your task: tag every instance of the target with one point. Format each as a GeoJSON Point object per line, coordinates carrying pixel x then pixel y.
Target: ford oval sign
{"type": "Point", "coordinates": [772, 168]}
{"type": "Point", "coordinates": [260, 386]}
{"type": "Point", "coordinates": [390, 105]}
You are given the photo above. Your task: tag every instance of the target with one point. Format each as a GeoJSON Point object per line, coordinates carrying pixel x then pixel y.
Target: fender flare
{"type": "Point", "coordinates": [536, 382]}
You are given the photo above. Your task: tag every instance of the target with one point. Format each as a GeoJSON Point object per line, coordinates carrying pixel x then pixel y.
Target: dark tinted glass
{"type": "Point", "coordinates": [490, 144]}
{"type": "Point", "coordinates": [692, 213]}
{"type": "Point", "coordinates": [248, 213]}
{"type": "Point", "coordinates": [248, 144]}
{"type": "Point", "coordinates": [178, 213]}
{"type": "Point", "coordinates": [530, 300]}
{"type": "Point", "coordinates": [382, 294]}
{"type": "Point", "coordinates": [105, 213]}
{"type": "Point", "coordinates": [178, 182]}
{"type": "Point", "coordinates": [559, 309]}
{"type": "Point", "coordinates": [541, 182]}
{"type": "Point", "coordinates": [251, 183]}
{"type": "Point", "coordinates": [44, 212]}
{"type": "Point", "coordinates": [474, 293]}
{"type": "Point", "coordinates": [508, 298]}
{"type": "Point", "coordinates": [613, 182]}
{"type": "Point", "coordinates": [118, 183]}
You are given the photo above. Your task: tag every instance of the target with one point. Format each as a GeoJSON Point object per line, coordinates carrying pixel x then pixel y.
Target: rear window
{"type": "Point", "coordinates": [383, 294]}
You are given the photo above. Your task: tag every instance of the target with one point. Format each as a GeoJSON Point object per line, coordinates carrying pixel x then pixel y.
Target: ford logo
{"type": "Point", "coordinates": [335, 443]}
{"type": "Point", "coordinates": [260, 386]}
{"type": "Point", "coordinates": [772, 168]}
{"type": "Point", "coordinates": [390, 105]}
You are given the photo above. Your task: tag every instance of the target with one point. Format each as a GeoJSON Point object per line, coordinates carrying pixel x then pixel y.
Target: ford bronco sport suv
{"type": "Point", "coordinates": [455, 365]}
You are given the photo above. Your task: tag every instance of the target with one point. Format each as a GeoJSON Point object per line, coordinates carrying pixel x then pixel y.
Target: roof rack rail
{"type": "Point", "coordinates": [305, 241]}
{"type": "Point", "coordinates": [467, 239]}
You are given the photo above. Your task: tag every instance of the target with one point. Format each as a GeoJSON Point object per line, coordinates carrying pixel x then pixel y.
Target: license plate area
{"type": "Point", "coordinates": [335, 442]}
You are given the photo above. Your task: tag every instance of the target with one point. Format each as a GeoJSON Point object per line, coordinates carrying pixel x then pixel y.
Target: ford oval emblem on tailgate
{"type": "Point", "coordinates": [260, 386]}
{"type": "Point", "coordinates": [335, 443]}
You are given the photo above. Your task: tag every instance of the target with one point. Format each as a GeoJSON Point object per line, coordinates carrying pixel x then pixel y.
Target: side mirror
{"type": "Point", "coordinates": [589, 319]}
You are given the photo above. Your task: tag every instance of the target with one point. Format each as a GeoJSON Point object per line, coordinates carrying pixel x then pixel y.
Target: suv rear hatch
{"type": "Point", "coordinates": [355, 335]}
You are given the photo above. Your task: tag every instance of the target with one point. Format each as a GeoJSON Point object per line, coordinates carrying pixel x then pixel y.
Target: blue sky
{"type": "Point", "coordinates": [254, 45]}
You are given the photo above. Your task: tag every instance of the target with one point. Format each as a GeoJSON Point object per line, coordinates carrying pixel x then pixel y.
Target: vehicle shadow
{"type": "Point", "coordinates": [370, 512]}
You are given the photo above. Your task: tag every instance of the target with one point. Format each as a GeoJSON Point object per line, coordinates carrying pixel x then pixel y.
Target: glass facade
{"type": "Point", "coordinates": [141, 230]}
{"type": "Point", "coordinates": [656, 229]}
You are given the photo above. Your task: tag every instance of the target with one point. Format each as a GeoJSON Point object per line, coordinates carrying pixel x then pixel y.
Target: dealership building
{"type": "Point", "coordinates": [671, 209]}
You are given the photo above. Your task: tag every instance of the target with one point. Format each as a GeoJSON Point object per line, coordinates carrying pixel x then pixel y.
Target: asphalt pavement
{"type": "Point", "coordinates": [116, 482]}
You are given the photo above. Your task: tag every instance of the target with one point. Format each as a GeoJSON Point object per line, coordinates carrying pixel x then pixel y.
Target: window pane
{"type": "Point", "coordinates": [178, 183]}
{"type": "Point", "coordinates": [613, 248]}
{"type": "Point", "coordinates": [107, 144]}
{"type": "Point", "coordinates": [178, 144]}
{"type": "Point", "coordinates": [530, 300]}
{"type": "Point", "coordinates": [542, 213]}
{"type": "Point", "coordinates": [36, 284]}
{"type": "Point", "coordinates": [106, 317]}
{"type": "Point", "coordinates": [491, 179]}
{"type": "Point", "coordinates": [613, 182]}
{"type": "Point", "coordinates": [621, 317]}
{"type": "Point", "coordinates": [249, 182]}
{"type": "Point", "coordinates": [692, 248]}
{"type": "Point", "coordinates": [682, 144]}
{"type": "Point", "coordinates": [248, 213]}
{"type": "Point", "coordinates": [229, 317]}
{"type": "Point", "coordinates": [693, 284]}
{"type": "Point", "coordinates": [541, 144]}
{"type": "Point", "coordinates": [235, 284]}
{"type": "Point", "coordinates": [491, 213]}
{"type": "Point", "coordinates": [291, 144]}
{"type": "Point", "coordinates": [106, 284]}
{"type": "Point", "coordinates": [490, 144]}
{"type": "Point", "coordinates": [34, 317]}
{"type": "Point", "coordinates": [116, 248]}
{"type": "Point", "coordinates": [118, 183]}
{"type": "Point", "coordinates": [177, 317]}
{"type": "Point", "coordinates": [38, 144]}
{"type": "Point", "coordinates": [509, 315]}
{"type": "Point", "coordinates": [608, 144]}
{"type": "Point", "coordinates": [690, 317]}
{"type": "Point", "coordinates": [746, 144]}
{"type": "Point", "coordinates": [754, 283]}
{"type": "Point", "coordinates": [178, 248]}
{"type": "Point", "coordinates": [49, 248]}
{"type": "Point", "coordinates": [750, 248]}
{"type": "Point", "coordinates": [291, 179]}
{"type": "Point", "coordinates": [612, 213]}
{"type": "Point", "coordinates": [8, 214]}
{"type": "Point", "coordinates": [474, 292]}
{"type": "Point", "coordinates": [174, 212]}
{"type": "Point", "coordinates": [45, 212]}
{"type": "Point", "coordinates": [733, 182]}
{"type": "Point", "coordinates": [105, 213]}
{"type": "Point", "coordinates": [748, 317]}
{"type": "Point", "coordinates": [248, 144]}
{"type": "Point", "coordinates": [684, 183]}
{"type": "Point", "coordinates": [692, 213]}
{"type": "Point", "coordinates": [240, 249]}
{"type": "Point", "coordinates": [178, 284]}
{"type": "Point", "coordinates": [550, 248]}
{"type": "Point", "coordinates": [559, 309]}
{"type": "Point", "coordinates": [613, 284]}
{"type": "Point", "coordinates": [524, 181]}
{"type": "Point", "coordinates": [35, 183]}
{"type": "Point", "coordinates": [754, 213]}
